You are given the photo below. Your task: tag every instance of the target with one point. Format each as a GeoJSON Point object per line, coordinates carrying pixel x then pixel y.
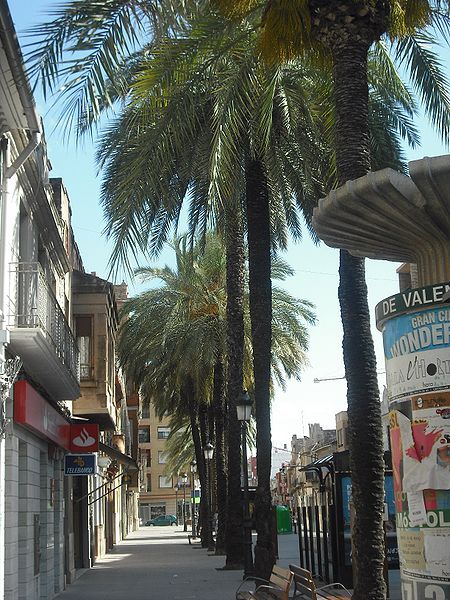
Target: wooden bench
{"type": "Point", "coordinates": [277, 588]}
{"type": "Point", "coordinates": [305, 587]}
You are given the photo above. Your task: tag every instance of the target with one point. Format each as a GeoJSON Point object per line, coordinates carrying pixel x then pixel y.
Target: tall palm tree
{"type": "Point", "coordinates": [346, 31]}
{"type": "Point", "coordinates": [191, 120]}
{"type": "Point", "coordinates": [263, 175]}
{"type": "Point", "coordinates": [175, 356]}
{"type": "Point", "coordinates": [174, 335]}
{"type": "Point", "coordinates": [229, 115]}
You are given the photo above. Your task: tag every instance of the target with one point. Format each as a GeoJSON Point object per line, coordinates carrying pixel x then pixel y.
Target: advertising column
{"type": "Point", "coordinates": [416, 339]}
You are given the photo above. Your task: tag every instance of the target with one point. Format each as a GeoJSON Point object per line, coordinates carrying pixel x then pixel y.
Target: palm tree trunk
{"type": "Point", "coordinates": [221, 472]}
{"type": "Point", "coordinates": [212, 440]}
{"type": "Point", "coordinates": [260, 294]}
{"type": "Point", "coordinates": [234, 242]}
{"type": "Point", "coordinates": [205, 507]}
{"type": "Point", "coordinates": [364, 415]}
{"type": "Point", "coordinates": [188, 390]}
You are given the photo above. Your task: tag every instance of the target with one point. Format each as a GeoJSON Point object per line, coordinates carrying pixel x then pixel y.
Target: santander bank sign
{"type": "Point", "coordinates": [84, 438]}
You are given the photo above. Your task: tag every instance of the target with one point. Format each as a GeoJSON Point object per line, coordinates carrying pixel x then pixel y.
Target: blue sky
{"type": "Point", "coordinates": [316, 270]}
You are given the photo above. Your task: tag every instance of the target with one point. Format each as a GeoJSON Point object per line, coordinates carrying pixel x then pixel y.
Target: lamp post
{"type": "Point", "coordinates": [244, 412]}
{"type": "Point", "coordinates": [184, 479]}
{"type": "Point", "coordinates": [193, 471]}
{"type": "Point", "coordinates": [208, 452]}
{"type": "Point", "coordinates": [176, 487]}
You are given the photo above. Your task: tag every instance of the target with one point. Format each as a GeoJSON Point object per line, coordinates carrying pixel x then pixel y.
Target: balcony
{"type": "Point", "coordinates": [40, 334]}
{"type": "Point", "coordinates": [95, 405]}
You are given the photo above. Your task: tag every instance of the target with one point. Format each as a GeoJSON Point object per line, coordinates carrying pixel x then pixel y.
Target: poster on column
{"type": "Point", "coordinates": [419, 459]}
{"type": "Point", "coordinates": [425, 443]}
{"type": "Point", "coordinates": [416, 348]}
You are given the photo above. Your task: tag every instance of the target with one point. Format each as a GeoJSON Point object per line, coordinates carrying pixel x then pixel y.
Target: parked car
{"type": "Point", "coordinates": [163, 520]}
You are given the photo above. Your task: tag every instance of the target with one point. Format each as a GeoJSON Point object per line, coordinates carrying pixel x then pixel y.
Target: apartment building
{"type": "Point", "coordinates": [160, 494]}
{"type": "Point", "coordinates": [36, 335]}
{"type": "Point", "coordinates": [103, 402]}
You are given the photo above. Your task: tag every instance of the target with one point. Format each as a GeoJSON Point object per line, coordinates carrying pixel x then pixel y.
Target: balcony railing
{"type": "Point", "coordinates": [34, 305]}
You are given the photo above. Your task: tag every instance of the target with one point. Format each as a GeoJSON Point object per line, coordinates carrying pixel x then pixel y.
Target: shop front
{"type": "Point", "coordinates": [35, 527]}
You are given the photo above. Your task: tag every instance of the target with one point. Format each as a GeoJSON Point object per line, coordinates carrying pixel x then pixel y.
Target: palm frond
{"type": "Point", "coordinates": [427, 76]}
{"type": "Point", "coordinates": [80, 52]}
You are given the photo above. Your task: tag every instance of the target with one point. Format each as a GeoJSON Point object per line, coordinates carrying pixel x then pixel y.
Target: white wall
{"type": "Point", "coordinates": [28, 494]}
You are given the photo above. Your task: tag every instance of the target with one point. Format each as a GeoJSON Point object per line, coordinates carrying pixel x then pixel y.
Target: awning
{"type": "Point", "coordinates": [126, 460]}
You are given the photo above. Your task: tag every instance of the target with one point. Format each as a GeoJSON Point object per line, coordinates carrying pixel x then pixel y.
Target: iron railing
{"type": "Point", "coordinates": [34, 305]}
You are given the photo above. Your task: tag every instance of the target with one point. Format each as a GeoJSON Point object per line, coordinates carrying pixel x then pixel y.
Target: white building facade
{"type": "Point", "coordinates": [35, 326]}
{"type": "Point", "coordinates": [51, 524]}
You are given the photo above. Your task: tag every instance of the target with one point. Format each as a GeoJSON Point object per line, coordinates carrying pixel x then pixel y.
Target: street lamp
{"type": "Point", "coordinates": [184, 479]}
{"type": "Point", "coordinates": [176, 487]}
{"type": "Point", "coordinates": [244, 413]}
{"type": "Point", "coordinates": [208, 452]}
{"type": "Point", "coordinates": [193, 471]}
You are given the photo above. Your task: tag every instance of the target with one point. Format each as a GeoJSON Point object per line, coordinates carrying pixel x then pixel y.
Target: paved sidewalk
{"type": "Point", "coordinates": [157, 563]}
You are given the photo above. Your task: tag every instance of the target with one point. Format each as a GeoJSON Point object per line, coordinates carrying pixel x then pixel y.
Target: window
{"type": "Point", "coordinates": [165, 482]}
{"type": "Point", "coordinates": [144, 435]}
{"type": "Point", "coordinates": [162, 457]}
{"type": "Point", "coordinates": [146, 411]}
{"type": "Point", "coordinates": [149, 482]}
{"type": "Point", "coordinates": [111, 357]}
{"type": "Point", "coordinates": [131, 431]}
{"type": "Point", "coordinates": [146, 458]}
{"type": "Point", "coordinates": [84, 341]}
{"type": "Point", "coordinates": [157, 510]}
{"type": "Point", "coordinates": [163, 433]}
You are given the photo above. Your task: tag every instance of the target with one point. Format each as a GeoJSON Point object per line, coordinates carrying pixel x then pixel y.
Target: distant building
{"type": "Point", "coordinates": [280, 456]}
{"type": "Point", "coordinates": [292, 483]}
{"type": "Point", "coordinates": [160, 494]}
{"type": "Point", "coordinates": [341, 431]}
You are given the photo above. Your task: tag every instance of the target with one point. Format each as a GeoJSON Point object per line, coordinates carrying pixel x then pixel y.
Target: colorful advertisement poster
{"type": "Point", "coordinates": [417, 352]}
{"type": "Point", "coordinates": [425, 448]}
{"type": "Point", "coordinates": [421, 480]}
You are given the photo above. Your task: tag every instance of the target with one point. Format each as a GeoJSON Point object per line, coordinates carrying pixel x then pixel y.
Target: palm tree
{"type": "Point", "coordinates": [259, 204]}
{"type": "Point", "coordinates": [238, 82]}
{"type": "Point", "coordinates": [104, 40]}
{"type": "Point", "coordinates": [193, 122]}
{"type": "Point", "coordinates": [274, 178]}
{"type": "Point", "coordinates": [173, 336]}
{"type": "Point", "coordinates": [174, 357]}
{"type": "Point", "coordinates": [346, 31]}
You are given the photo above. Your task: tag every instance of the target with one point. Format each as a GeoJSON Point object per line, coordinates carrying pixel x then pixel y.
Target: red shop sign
{"type": "Point", "coordinates": [34, 412]}
{"type": "Point", "coordinates": [84, 438]}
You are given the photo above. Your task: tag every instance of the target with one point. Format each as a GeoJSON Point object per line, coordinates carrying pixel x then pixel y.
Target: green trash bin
{"type": "Point", "coordinates": [284, 521]}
